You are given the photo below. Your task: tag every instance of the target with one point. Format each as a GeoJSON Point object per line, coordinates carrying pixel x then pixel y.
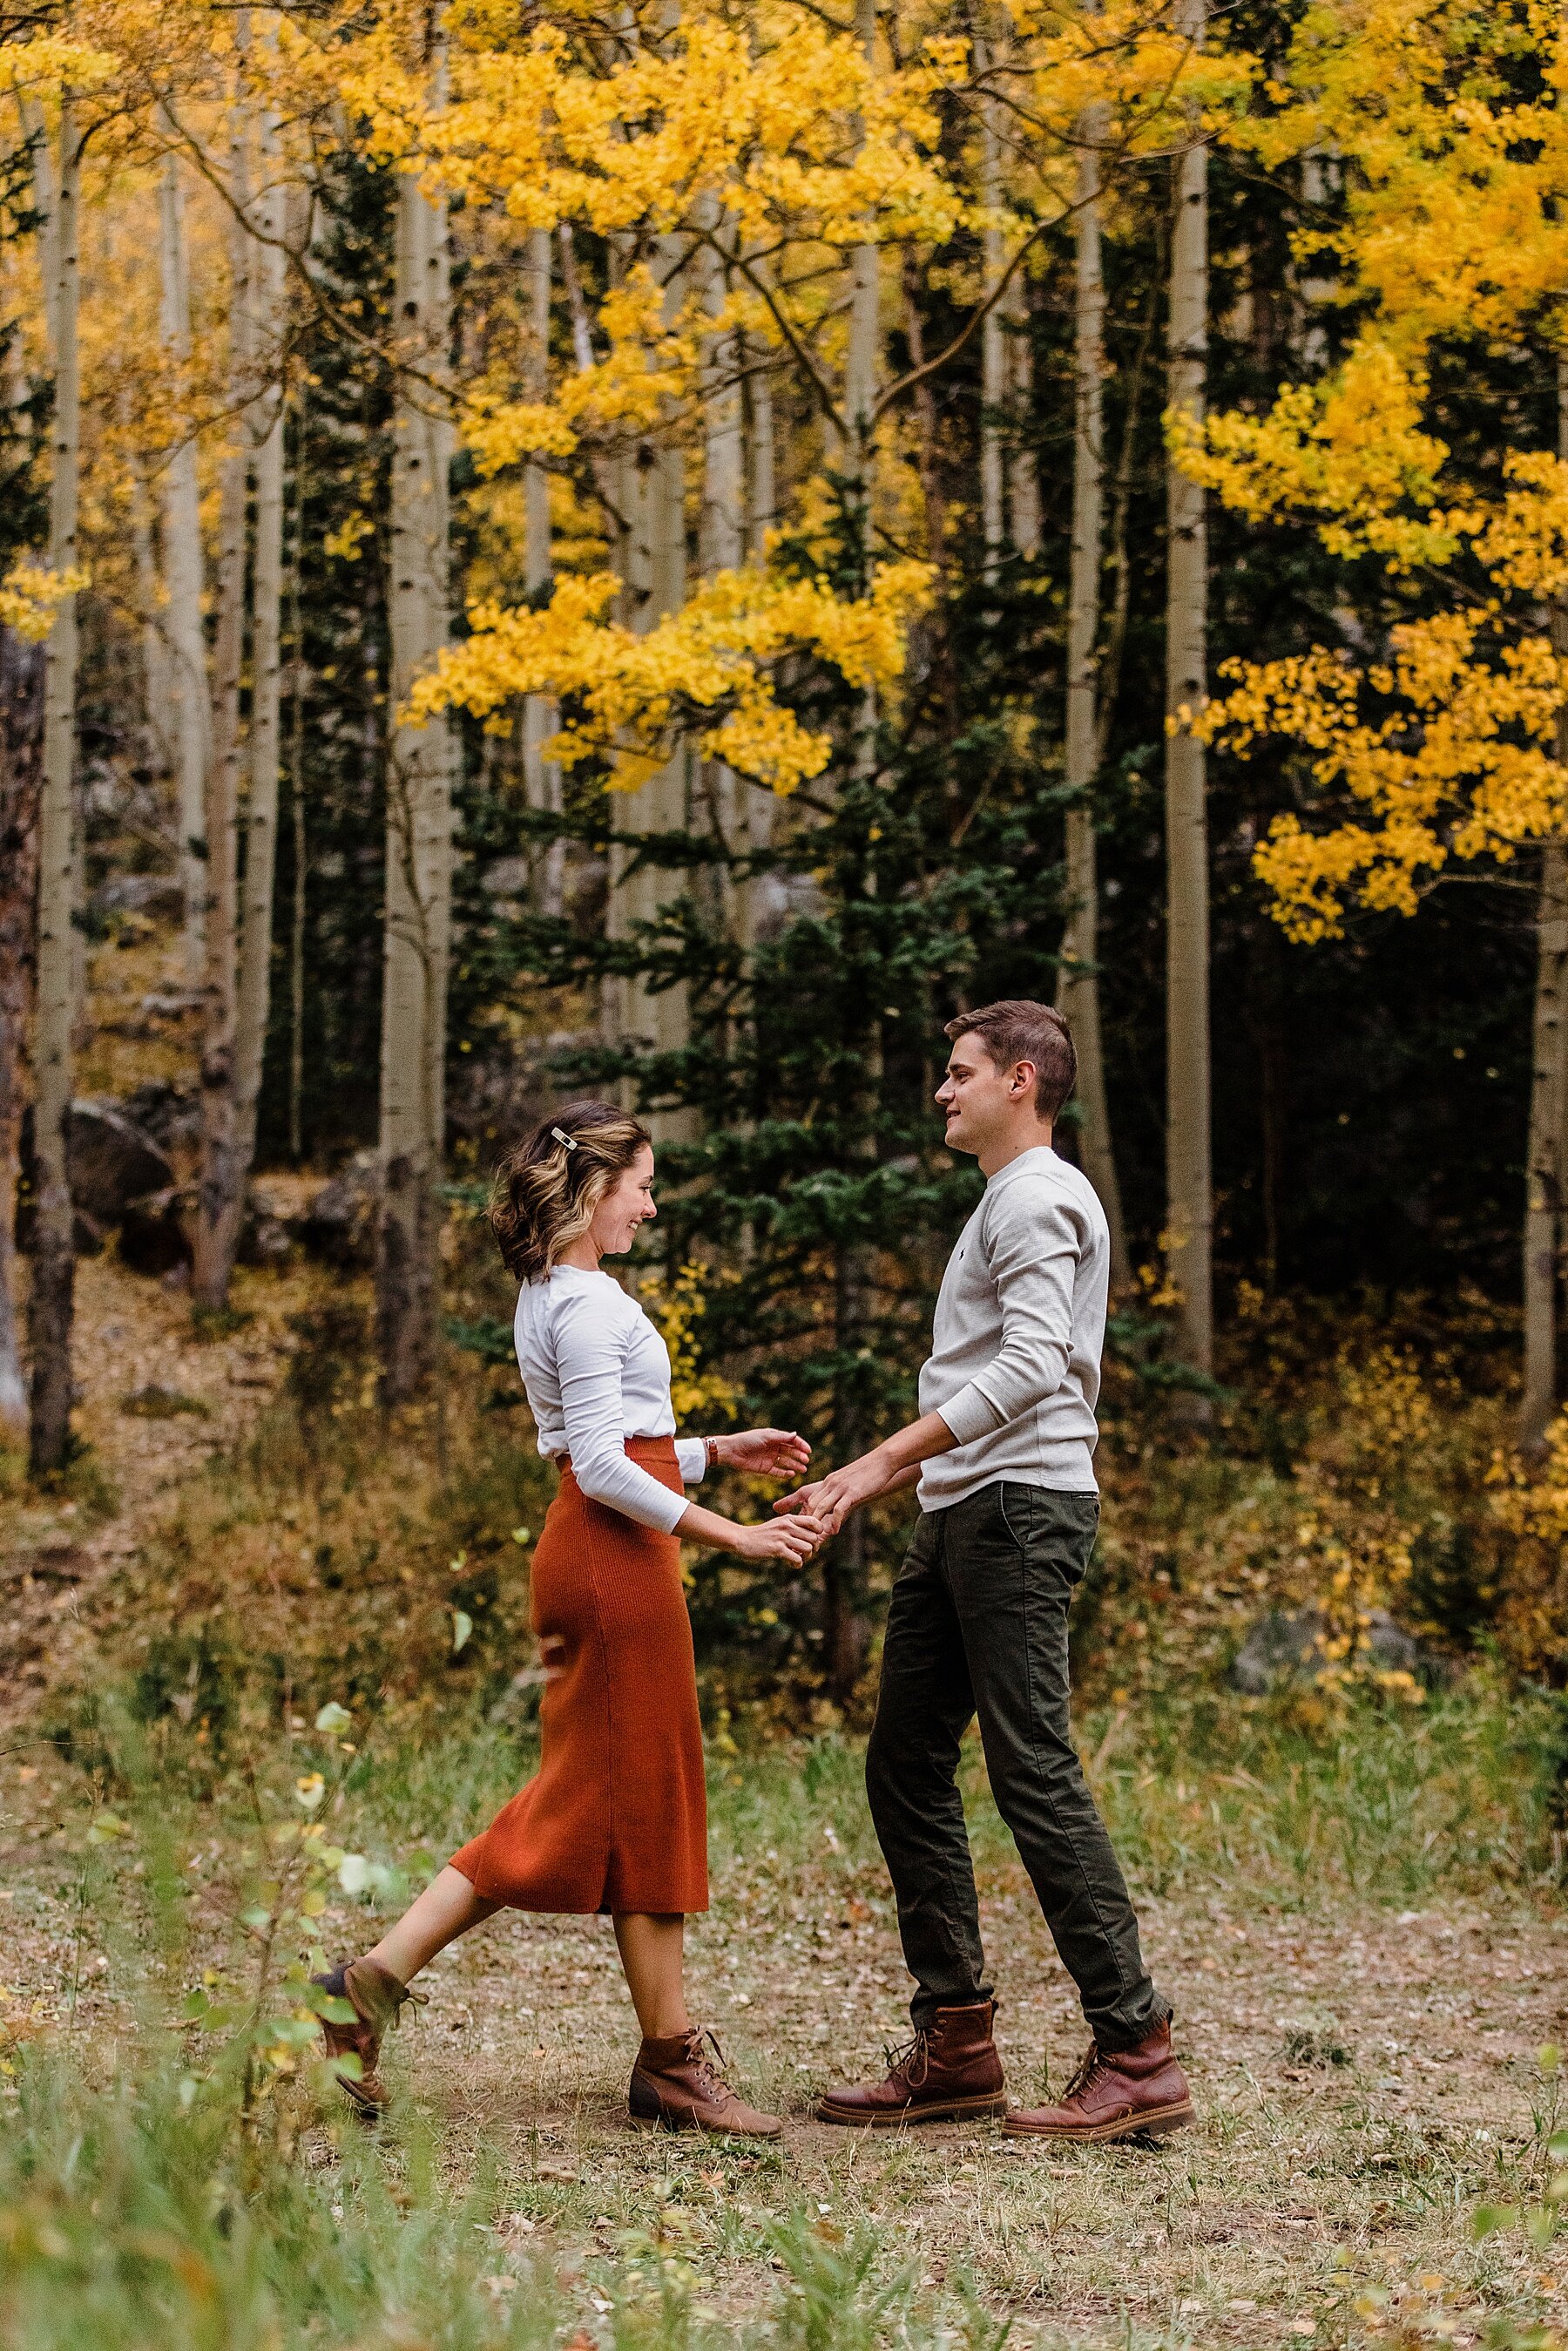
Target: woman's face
{"type": "Point", "coordinates": [628, 1203]}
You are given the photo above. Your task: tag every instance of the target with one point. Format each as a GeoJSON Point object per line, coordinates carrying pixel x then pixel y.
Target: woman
{"type": "Point", "coordinates": [616, 1819]}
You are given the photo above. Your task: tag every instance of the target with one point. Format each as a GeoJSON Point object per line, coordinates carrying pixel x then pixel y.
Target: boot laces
{"type": "Point", "coordinates": [1092, 2065]}
{"type": "Point", "coordinates": [709, 2071]}
{"type": "Point", "coordinates": [912, 2058]}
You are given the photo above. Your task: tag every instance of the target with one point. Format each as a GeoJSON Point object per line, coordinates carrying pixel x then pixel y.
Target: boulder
{"type": "Point", "coordinates": [340, 1225]}
{"type": "Point", "coordinates": [171, 1115]}
{"type": "Point", "coordinates": [112, 1160]}
{"type": "Point", "coordinates": [1284, 1649]}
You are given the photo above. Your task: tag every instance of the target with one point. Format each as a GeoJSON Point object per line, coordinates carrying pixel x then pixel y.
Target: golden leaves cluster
{"type": "Point", "coordinates": [1451, 229]}
{"type": "Point", "coordinates": [703, 674]}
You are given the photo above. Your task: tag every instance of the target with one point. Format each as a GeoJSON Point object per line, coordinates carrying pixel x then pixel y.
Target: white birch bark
{"type": "Point", "coordinates": [418, 815]}
{"type": "Point", "coordinates": [1023, 474]}
{"type": "Point", "coordinates": [722, 540]}
{"type": "Point", "coordinates": [221, 1187]}
{"type": "Point", "coordinates": [1078, 986]}
{"type": "Point", "coordinates": [860, 375]}
{"type": "Point", "coordinates": [253, 993]}
{"type": "Point", "coordinates": [541, 777]}
{"type": "Point", "coordinates": [762, 512]}
{"type": "Point", "coordinates": [54, 1252]}
{"type": "Point", "coordinates": [993, 343]}
{"type": "Point", "coordinates": [156, 682]}
{"type": "Point", "coordinates": [183, 581]}
{"type": "Point", "coordinates": [1189, 1211]}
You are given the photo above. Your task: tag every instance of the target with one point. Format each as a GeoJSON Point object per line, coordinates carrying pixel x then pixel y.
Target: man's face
{"type": "Point", "coordinates": [979, 1100]}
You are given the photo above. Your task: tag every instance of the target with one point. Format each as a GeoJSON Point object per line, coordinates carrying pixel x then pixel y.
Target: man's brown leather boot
{"type": "Point", "coordinates": [376, 1996]}
{"type": "Point", "coordinates": [675, 2086]}
{"type": "Point", "coordinates": [950, 2071]}
{"type": "Point", "coordinates": [1115, 2093]}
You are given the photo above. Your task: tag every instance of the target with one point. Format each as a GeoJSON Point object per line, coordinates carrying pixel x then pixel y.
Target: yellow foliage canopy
{"type": "Point", "coordinates": [703, 674]}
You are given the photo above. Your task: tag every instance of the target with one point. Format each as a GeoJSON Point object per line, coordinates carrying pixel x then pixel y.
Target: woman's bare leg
{"type": "Point", "coordinates": [448, 1907]}
{"type": "Point", "coordinates": [652, 1951]}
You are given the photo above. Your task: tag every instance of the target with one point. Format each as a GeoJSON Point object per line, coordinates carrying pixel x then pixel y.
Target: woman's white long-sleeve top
{"type": "Point", "coordinates": [596, 1372]}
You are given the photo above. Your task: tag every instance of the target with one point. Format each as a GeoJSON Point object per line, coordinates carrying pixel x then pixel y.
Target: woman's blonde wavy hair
{"type": "Point", "coordinates": [545, 1191]}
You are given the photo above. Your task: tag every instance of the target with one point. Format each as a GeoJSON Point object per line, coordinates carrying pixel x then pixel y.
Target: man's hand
{"type": "Point", "coordinates": [764, 1452]}
{"type": "Point", "coordinates": [893, 1463]}
{"type": "Point", "coordinates": [832, 1497]}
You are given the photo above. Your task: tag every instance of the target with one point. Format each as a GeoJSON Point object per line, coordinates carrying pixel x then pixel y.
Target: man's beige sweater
{"type": "Point", "coordinates": [1014, 1368]}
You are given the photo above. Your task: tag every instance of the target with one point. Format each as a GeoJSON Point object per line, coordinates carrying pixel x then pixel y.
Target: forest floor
{"type": "Point", "coordinates": [1362, 2003]}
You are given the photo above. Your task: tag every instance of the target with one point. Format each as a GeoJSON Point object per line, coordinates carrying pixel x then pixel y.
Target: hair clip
{"type": "Point", "coordinates": [569, 1141]}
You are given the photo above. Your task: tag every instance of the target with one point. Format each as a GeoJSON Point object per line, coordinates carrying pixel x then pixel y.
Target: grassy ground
{"type": "Point", "coordinates": [1353, 1899]}
{"type": "Point", "coordinates": [1358, 1926]}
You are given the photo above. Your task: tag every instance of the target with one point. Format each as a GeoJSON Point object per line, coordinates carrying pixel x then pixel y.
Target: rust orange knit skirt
{"type": "Point", "coordinates": [616, 1818]}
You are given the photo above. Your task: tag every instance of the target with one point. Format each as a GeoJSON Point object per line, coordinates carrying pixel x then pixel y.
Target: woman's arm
{"type": "Point", "coordinates": [714, 1533]}
{"type": "Point", "coordinates": [590, 1355]}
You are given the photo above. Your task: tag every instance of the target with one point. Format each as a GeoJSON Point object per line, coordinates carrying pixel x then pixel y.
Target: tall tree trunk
{"type": "Point", "coordinates": [845, 1561]}
{"type": "Point", "coordinates": [254, 994]}
{"type": "Point", "coordinates": [762, 513]}
{"type": "Point", "coordinates": [221, 1188]}
{"type": "Point", "coordinates": [994, 342]}
{"type": "Point", "coordinates": [419, 819]}
{"type": "Point", "coordinates": [183, 580]}
{"type": "Point", "coordinates": [653, 568]}
{"type": "Point", "coordinates": [156, 682]}
{"type": "Point", "coordinates": [1544, 1171]}
{"type": "Point", "coordinates": [541, 777]}
{"type": "Point", "coordinates": [1190, 1189]}
{"type": "Point", "coordinates": [721, 542]}
{"type": "Point", "coordinates": [21, 748]}
{"type": "Point", "coordinates": [1078, 984]}
{"type": "Point", "coordinates": [1023, 474]}
{"type": "Point", "coordinates": [53, 1249]}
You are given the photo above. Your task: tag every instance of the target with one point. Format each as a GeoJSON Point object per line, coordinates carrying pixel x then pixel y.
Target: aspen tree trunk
{"type": "Point", "coordinates": [994, 344]}
{"type": "Point", "coordinates": [846, 1627]}
{"type": "Point", "coordinates": [1189, 1211]}
{"type": "Point", "coordinates": [21, 746]}
{"type": "Point", "coordinates": [183, 581]}
{"type": "Point", "coordinates": [253, 993]}
{"type": "Point", "coordinates": [156, 682]}
{"type": "Point", "coordinates": [762, 511]}
{"type": "Point", "coordinates": [1078, 986]}
{"type": "Point", "coordinates": [221, 1184]}
{"type": "Point", "coordinates": [541, 777]}
{"type": "Point", "coordinates": [652, 494]}
{"type": "Point", "coordinates": [418, 821]}
{"type": "Point", "coordinates": [721, 544]}
{"type": "Point", "coordinates": [1023, 474]}
{"type": "Point", "coordinates": [1544, 1204]}
{"type": "Point", "coordinates": [53, 1249]}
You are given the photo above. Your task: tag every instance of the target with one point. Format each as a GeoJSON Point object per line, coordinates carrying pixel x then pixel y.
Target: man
{"type": "Point", "coordinates": [978, 1621]}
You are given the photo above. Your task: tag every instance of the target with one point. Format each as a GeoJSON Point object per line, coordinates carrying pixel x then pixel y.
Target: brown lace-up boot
{"type": "Point", "coordinates": [674, 2085]}
{"type": "Point", "coordinates": [1115, 2093]}
{"type": "Point", "coordinates": [376, 1997]}
{"type": "Point", "coordinates": [950, 2072]}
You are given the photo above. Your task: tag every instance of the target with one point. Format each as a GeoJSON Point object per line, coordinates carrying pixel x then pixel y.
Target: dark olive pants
{"type": "Point", "coordinates": [978, 1625]}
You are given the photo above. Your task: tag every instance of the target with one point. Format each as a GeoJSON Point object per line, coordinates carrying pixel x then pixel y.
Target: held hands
{"type": "Point", "coordinates": [829, 1501]}
{"type": "Point", "coordinates": [793, 1539]}
{"type": "Point", "coordinates": [764, 1452]}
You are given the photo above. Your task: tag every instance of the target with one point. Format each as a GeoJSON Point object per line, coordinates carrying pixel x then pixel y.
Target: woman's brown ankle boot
{"type": "Point", "coordinates": [376, 1997]}
{"type": "Point", "coordinates": [673, 2084]}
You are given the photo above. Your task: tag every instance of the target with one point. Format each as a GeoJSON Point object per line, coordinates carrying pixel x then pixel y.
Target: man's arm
{"type": "Point", "coordinates": [1033, 1252]}
{"type": "Point", "coordinates": [889, 1467]}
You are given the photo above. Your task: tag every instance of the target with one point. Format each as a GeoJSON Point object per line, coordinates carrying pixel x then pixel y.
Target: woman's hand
{"type": "Point", "coordinates": [794, 1539]}
{"type": "Point", "coordinates": [764, 1452]}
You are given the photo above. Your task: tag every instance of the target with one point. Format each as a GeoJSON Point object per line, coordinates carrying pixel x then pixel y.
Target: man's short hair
{"type": "Point", "coordinates": [1020, 1031]}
